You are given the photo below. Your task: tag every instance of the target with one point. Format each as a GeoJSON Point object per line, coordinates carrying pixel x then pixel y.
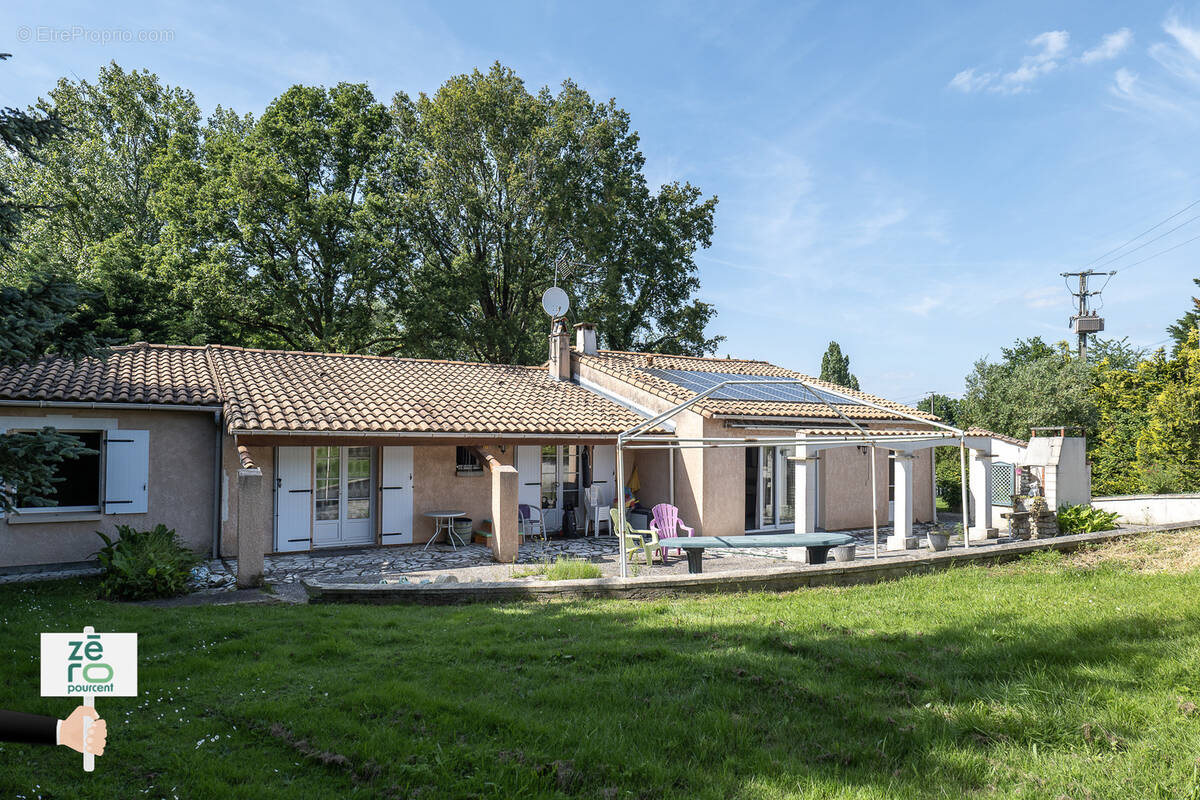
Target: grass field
{"type": "Point", "coordinates": [1054, 677]}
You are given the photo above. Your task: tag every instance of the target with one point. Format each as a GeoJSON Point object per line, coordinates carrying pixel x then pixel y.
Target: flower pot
{"type": "Point", "coordinates": [938, 541]}
{"type": "Point", "coordinates": [843, 553]}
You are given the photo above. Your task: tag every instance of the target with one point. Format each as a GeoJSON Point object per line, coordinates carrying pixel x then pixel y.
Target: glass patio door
{"type": "Point", "coordinates": [343, 500]}
{"type": "Point", "coordinates": [770, 488]}
{"type": "Point", "coordinates": [560, 473]}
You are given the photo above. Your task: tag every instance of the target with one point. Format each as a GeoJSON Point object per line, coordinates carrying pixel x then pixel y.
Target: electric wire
{"type": "Point", "coordinates": [1143, 233]}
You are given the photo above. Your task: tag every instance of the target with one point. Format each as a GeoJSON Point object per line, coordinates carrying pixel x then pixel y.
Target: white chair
{"type": "Point", "coordinates": [594, 511]}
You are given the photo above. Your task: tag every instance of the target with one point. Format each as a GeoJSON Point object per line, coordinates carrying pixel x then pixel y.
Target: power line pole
{"type": "Point", "coordinates": [1086, 321]}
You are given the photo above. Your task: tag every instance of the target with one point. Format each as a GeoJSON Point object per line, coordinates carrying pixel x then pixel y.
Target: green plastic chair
{"type": "Point", "coordinates": [633, 540]}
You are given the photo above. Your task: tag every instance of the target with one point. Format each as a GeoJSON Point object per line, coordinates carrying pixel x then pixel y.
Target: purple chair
{"type": "Point", "coordinates": [529, 521]}
{"type": "Point", "coordinates": [665, 523]}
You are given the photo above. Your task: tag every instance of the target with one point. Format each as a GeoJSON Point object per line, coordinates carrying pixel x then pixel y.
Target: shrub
{"type": "Point", "coordinates": [140, 565]}
{"type": "Point", "coordinates": [1085, 519]}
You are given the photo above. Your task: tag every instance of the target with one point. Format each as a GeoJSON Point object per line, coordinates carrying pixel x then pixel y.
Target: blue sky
{"type": "Point", "coordinates": [906, 178]}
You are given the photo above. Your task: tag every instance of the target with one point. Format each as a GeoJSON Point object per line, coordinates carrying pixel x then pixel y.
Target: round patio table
{"type": "Point", "coordinates": [444, 521]}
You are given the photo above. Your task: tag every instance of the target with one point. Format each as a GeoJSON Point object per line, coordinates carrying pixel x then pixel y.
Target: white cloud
{"type": "Point", "coordinates": [970, 81]}
{"type": "Point", "coordinates": [1049, 47]}
{"type": "Point", "coordinates": [1124, 82]}
{"type": "Point", "coordinates": [1188, 38]}
{"type": "Point", "coordinates": [1109, 48]}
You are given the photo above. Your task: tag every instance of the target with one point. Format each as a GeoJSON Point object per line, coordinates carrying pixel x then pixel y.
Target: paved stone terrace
{"type": "Point", "coordinates": [473, 563]}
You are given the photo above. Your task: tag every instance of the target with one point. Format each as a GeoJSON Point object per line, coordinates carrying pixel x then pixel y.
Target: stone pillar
{"type": "Point", "coordinates": [805, 464]}
{"type": "Point", "coordinates": [980, 481]}
{"type": "Point", "coordinates": [902, 519]}
{"type": "Point", "coordinates": [251, 539]}
{"type": "Point", "coordinates": [506, 538]}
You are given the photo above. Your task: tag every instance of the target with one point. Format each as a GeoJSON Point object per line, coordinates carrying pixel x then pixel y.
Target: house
{"type": "Point", "coordinates": [246, 452]}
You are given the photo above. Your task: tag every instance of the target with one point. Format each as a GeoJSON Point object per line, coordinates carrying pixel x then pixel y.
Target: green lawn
{"type": "Point", "coordinates": [1055, 677]}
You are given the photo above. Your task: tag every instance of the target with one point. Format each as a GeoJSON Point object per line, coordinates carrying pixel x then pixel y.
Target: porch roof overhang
{"type": "Point", "coordinates": [252, 437]}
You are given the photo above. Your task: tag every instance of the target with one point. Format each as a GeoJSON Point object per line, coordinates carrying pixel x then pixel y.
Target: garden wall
{"type": "Point", "coordinates": [1152, 509]}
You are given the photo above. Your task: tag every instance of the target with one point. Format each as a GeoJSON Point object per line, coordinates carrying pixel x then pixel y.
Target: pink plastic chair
{"type": "Point", "coordinates": [665, 523]}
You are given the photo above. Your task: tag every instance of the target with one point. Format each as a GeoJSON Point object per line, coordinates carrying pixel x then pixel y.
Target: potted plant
{"type": "Point", "coordinates": [938, 540]}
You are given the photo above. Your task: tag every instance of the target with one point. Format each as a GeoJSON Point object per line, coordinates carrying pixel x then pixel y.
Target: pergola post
{"type": "Point", "coordinates": [805, 466]}
{"type": "Point", "coordinates": [981, 492]}
{"type": "Point", "coordinates": [806, 488]}
{"type": "Point", "coordinates": [902, 519]}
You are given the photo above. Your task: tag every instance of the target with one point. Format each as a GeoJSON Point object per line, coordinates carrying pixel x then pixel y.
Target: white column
{"type": "Point", "coordinates": [805, 465]}
{"type": "Point", "coordinates": [806, 489]}
{"type": "Point", "coordinates": [902, 538]}
{"type": "Point", "coordinates": [980, 481]}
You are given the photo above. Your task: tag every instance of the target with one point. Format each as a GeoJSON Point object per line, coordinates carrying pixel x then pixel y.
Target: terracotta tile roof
{"type": "Point", "coordinates": [976, 431]}
{"type": "Point", "coordinates": [269, 390]}
{"type": "Point", "coordinates": [140, 373]}
{"type": "Point", "coordinates": [633, 368]}
{"type": "Point", "coordinates": [873, 432]}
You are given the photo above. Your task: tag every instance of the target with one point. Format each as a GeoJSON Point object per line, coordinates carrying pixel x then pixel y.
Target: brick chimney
{"type": "Point", "coordinates": [585, 338]}
{"type": "Point", "coordinates": [560, 352]}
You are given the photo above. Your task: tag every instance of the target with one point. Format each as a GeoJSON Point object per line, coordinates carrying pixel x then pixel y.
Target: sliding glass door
{"type": "Point", "coordinates": [770, 488]}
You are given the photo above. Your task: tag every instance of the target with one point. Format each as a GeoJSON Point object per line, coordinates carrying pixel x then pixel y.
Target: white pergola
{"type": "Point", "coordinates": [902, 444]}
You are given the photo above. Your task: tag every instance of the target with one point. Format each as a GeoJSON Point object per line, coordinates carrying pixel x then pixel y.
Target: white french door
{"type": "Point", "coordinates": [343, 496]}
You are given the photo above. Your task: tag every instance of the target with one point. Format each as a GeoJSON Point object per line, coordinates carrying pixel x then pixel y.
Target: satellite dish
{"type": "Point", "coordinates": [555, 302]}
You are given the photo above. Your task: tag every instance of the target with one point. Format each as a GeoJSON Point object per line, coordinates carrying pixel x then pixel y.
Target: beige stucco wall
{"type": "Point", "coordinates": [437, 487]}
{"type": "Point", "coordinates": [179, 494]}
{"type": "Point", "coordinates": [724, 491]}
{"type": "Point", "coordinates": [845, 487]}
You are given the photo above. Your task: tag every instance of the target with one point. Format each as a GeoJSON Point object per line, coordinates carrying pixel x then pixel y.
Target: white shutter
{"type": "Point", "coordinates": [126, 471]}
{"type": "Point", "coordinates": [529, 475]}
{"type": "Point", "coordinates": [293, 498]}
{"type": "Point", "coordinates": [396, 495]}
{"type": "Point", "coordinates": [604, 471]}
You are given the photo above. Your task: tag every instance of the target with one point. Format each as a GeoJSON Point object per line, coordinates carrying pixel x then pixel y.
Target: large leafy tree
{"type": "Point", "coordinates": [835, 367]}
{"type": "Point", "coordinates": [94, 185]}
{"type": "Point", "coordinates": [1033, 385]}
{"type": "Point", "coordinates": [496, 186]}
{"type": "Point", "coordinates": [37, 315]}
{"type": "Point", "coordinates": [277, 227]}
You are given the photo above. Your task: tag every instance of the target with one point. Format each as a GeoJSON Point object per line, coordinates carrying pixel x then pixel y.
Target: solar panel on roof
{"type": "Point", "coordinates": [697, 381]}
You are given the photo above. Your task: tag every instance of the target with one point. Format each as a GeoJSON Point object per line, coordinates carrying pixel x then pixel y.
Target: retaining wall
{"type": "Point", "coordinates": [649, 587]}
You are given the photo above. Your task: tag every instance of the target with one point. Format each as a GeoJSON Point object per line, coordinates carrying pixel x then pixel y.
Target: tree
{"type": "Point", "coordinates": [835, 367]}
{"type": "Point", "coordinates": [277, 226]}
{"type": "Point", "coordinates": [497, 186]}
{"type": "Point", "coordinates": [94, 185]}
{"type": "Point", "coordinates": [36, 318]}
{"type": "Point", "coordinates": [1190, 320]}
{"type": "Point", "coordinates": [1148, 438]}
{"type": "Point", "coordinates": [1033, 385]}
